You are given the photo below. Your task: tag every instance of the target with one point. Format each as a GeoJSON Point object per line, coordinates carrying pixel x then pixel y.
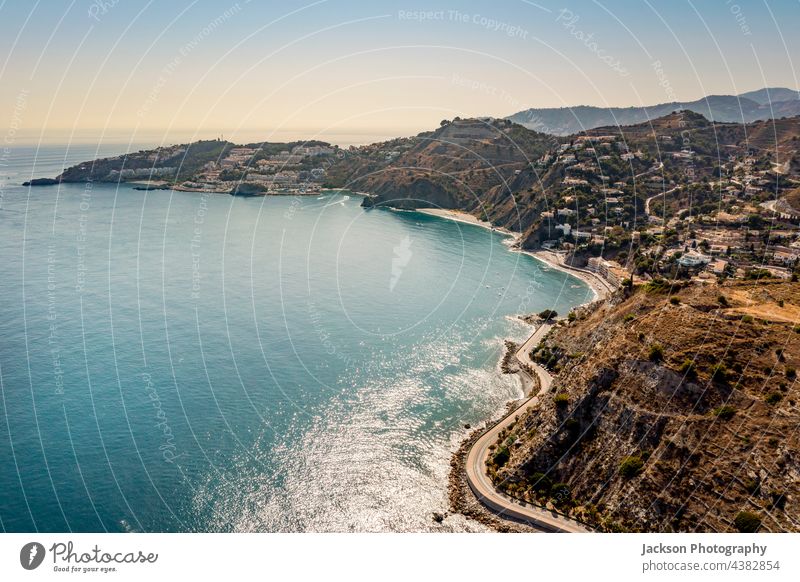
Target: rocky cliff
{"type": "Point", "coordinates": [674, 409]}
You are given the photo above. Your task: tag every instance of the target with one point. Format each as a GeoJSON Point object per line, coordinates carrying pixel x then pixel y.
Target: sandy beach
{"type": "Point", "coordinates": [460, 216]}
{"type": "Point", "coordinates": [599, 286]}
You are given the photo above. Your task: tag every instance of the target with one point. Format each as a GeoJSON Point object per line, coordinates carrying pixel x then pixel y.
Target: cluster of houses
{"type": "Point", "coordinates": [726, 242]}
{"type": "Point", "coordinates": [285, 171]}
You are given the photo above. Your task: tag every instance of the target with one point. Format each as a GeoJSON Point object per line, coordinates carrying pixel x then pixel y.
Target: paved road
{"type": "Point", "coordinates": [479, 481]}
{"type": "Point", "coordinates": [647, 202]}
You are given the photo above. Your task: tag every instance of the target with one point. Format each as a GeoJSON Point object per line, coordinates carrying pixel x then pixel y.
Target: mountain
{"type": "Point", "coordinates": [768, 103]}
{"type": "Point", "coordinates": [515, 178]}
{"type": "Point", "coordinates": [671, 411]}
{"type": "Point", "coordinates": [771, 95]}
{"type": "Point", "coordinates": [466, 163]}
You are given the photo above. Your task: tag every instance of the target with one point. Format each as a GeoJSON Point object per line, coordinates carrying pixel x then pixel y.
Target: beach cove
{"type": "Point", "coordinates": [223, 354]}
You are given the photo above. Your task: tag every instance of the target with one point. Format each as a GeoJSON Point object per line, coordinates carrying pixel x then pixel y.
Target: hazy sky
{"type": "Point", "coordinates": [355, 71]}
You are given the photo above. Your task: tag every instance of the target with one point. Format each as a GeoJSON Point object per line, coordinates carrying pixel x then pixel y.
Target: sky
{"type": "Point", "coordinates": [354, 72]}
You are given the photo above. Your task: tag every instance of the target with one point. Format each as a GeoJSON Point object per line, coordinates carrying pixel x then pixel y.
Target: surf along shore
{"type": "Point", "coordinates": [462, 499]}
{"type": "Point", "coordinates": [599, 286]}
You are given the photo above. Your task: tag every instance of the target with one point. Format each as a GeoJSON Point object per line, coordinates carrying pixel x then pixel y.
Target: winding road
{"type": "Point", "coordinates": [647, 202]}
{"type": "Point", "coordinates": [504, 505]}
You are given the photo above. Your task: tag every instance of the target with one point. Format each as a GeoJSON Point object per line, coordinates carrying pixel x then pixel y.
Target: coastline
{"type": "Point", "coordinates": [463, 498]}
{"type": "Point", "coordinates": [599, 286]}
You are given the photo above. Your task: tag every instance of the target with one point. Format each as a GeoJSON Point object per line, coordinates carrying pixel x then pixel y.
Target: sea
{"type": "Point", "coordinates": [190, 362]}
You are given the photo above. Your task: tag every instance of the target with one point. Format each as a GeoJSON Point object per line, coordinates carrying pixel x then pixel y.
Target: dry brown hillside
{"type": "Point", "coordinates": [674, 409]}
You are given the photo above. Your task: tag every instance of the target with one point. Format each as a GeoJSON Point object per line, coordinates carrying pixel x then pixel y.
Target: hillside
{"type": "Point", "coordinates": [600, 178]}
{"type": "Point", "coordinates": [469, 164]}
{"type": "Point", "coordinates": [673, 409]}
{"type": "Point", "coordinates": [177, 163]}
{"type": "Point", "coordinates": [771, 103]}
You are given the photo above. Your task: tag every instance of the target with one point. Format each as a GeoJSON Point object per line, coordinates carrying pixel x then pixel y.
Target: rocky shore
{"type": "Point", "coordinates": [463, 500]}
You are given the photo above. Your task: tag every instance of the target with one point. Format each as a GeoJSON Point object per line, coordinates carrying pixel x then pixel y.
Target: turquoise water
{"type": "Point", "coordinates": [185, 362]}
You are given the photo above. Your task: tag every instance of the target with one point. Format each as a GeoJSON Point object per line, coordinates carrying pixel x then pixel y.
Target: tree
{"type": "Point", "coordinates": [548, 314]}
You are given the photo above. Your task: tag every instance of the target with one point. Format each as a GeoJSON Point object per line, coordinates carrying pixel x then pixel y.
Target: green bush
{"type": "Point", "coordinates": [724, 412]}
{"type": "Point", "coordinates": [561, 399]}
{"type": "Point", "coordinates": [548, 314]}
{"type": "Point", "coordinates": [773, 397]}
{"type": "Point", "coordinates": [501, 457]}
{"type": "Point", "coordinates": [688, 369]}
{"type": "Point", "coordinates": [747, 522]}
{"type": "Point", "coordinates": [791, 373]}
{"type": "Point", "coordinates": [629, 317]}
{"type": "Point", "coordinates": [656, 353]}
{"type": "Point", "coordinates": [631, 466]}
{"type": "Point", "coordinates": [719, 373]}
{"type": "Point", "coordinates": [747, 319]}
{"type": "Point", "coordinates": [541, 482]}
{"type": "Point", "coordinates": [674, 301]}
{"type": "Point", "coordinates": [657, 285]}
{"type": "Point", "coordinates": [722, 300]}
{"type": "Point", "coordinates": [756, 274]}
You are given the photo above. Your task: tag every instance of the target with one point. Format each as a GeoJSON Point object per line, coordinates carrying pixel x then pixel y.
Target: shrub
{"type": "Point", "coordinates": [541, 482]}
{"type": "Point", "coordinates": [571, 316]}
{"type": "Point", "coordinates": [561, 399]}
{"type": "Point", "coordinates": [658, 285]}
{"type": "Point", "coordinates": [719, 373]}
{"type": "Point", "coordinates": [756, 274]}
{"type": "Point", "coordinates": [724, 412]}
{"type": "Point", "coordinates": [687, 369]}
{"type": "Point", "coordinates": [656, 353]}
{"type": "Point", "coordinates": [747, 319]}
{"type": "Point", "coordinates": [548, 314]}
{"type": "Point", "coordinates": [722, 300]}
{"type": "Point", "coordinates": [747, 522]}
{"type": "Point", "coordinates": [501, 457]}
{"type": "Point", "coordinates": [674, 301]}
{"type": "Point", "coordinates": [791, 373]}
{"type": "Point", "coordinates": [631, 466]}
{"type": "Point", "coordinates": [630, 317]}
{"type": "Point", "coordinates": [773, 397]}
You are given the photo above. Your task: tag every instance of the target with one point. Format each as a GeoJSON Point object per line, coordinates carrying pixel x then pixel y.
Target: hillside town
{"type": "Point", "coordinates": [253, 170]}
{"type": "Point", "coordinates": [679, 197]}
{"type": "Point", "coordinates": [632, 214]}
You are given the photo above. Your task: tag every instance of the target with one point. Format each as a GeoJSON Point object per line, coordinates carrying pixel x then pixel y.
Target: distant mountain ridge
{"type": "Point", "coordinates": [767, 103]}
